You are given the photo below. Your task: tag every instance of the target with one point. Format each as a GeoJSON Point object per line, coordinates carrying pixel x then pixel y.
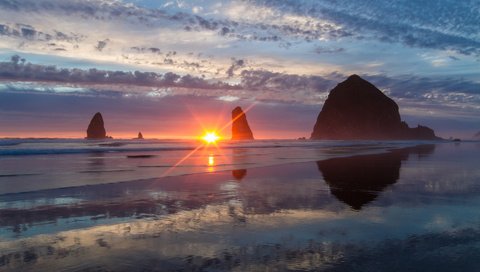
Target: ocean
{"type": "Point", "coordinates": [264, 205]}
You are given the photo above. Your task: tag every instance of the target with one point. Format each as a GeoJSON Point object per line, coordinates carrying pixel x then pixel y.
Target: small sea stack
{"type": "Point", "coordinates": [240, 128]}
{"type": "Point", "coordinates": [96, 128]}
{"type": "Point", "coordinates": [140, 136]}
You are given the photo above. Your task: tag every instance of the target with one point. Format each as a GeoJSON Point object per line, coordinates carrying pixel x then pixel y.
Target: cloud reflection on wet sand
{"type": "Point", "coordinates": [287, 217]}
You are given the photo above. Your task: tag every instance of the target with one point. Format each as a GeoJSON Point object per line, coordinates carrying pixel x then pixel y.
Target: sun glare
{"type": "Point", "coordinates": [210, 137]}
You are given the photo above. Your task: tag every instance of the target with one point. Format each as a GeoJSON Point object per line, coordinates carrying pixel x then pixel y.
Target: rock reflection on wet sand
{"type": "Point", "coordinates": [358, 180]}
{"type": "Point", "coordinates": [359, 213]}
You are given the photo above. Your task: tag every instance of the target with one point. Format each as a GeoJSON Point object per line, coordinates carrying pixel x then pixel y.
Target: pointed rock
{"type": "Point", "coordinates": [96, 129]}
{"type": "Point", "coordinates": [356, 109]}
{"type": "Point", "coordinates": [140, 136]}
{"type": "Point", "coordinates": [240, 128]}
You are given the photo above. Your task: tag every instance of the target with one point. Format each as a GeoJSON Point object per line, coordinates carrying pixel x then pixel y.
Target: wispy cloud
{"type": "Point", "coordinates": [20, 70]}
{"type": "Point", "coordinates": [415, 24]}
{"type": "Point", "coordinates": [262, 85]}
{"type": "Point", "coordinates": [125, 32]}
{"type": "Point", "coordinates": [424, 54]}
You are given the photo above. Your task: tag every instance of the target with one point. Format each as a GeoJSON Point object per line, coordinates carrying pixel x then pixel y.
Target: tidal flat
{"type": "Point", "coordinates": [368, 207]}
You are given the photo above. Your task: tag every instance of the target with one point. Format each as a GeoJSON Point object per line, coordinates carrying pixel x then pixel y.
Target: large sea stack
{"type": "Point", "coordinates": [96, 129]}
{"type": "Point", "coordinates": [356, 109]}
{"type": "Point", "coordinates": [240, 128]}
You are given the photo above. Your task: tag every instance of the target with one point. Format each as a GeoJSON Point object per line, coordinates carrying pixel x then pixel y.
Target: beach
{"type": "Point", "coordinates": [239, 135]}
{"type": "Point", "coordinates": [249, 206]}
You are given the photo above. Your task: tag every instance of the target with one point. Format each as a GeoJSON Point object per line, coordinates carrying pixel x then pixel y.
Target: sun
{"type": "Point", "coordinates": [211, 137]}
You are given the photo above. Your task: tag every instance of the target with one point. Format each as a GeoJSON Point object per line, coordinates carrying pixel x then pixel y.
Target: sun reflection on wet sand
{"type": "Point", "coordinates": [211, 137]}
{"type": "Point", "coordinates": [295, 216]}
{"type": "Point", "coordinates": [211, 163]}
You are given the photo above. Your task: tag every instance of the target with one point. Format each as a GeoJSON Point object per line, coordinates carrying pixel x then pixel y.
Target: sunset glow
{"type": "Point", "coordinates": [239, 135]}
{"type": "Point", "coordinates": [211, 137]}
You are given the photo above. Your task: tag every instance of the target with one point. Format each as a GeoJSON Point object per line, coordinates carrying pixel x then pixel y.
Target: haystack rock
{"type": "Point", "coordinates": [96, 129]}
{"type": "Point", "coordinates": [240, 128]}
{"type": "Point", "coordinates": [140, 136]}
{"type": "Point", "coordinates": [356, 109]}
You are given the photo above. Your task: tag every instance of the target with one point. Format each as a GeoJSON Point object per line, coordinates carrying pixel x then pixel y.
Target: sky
{"type": "Point", "coordinates": [172, 69]}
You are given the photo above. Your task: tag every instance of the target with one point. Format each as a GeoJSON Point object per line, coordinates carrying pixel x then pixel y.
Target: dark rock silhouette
{"type": "Point", "coordinates": [140, 136]}
{"type": "Point", "coordinates": [240, 128]}
{"type": "Point", "coordinates": [239, 174]}
{"type": "Point", "coordinates": [96, 128]}
{"type": "Point", "coordinates": [356, 109]}
{"type": "Point", "coordinates": [358, 180]}
{"type": "Point", "coordinates": [141, 156]}
{"type": "Point", "coordinates": [418, 133]}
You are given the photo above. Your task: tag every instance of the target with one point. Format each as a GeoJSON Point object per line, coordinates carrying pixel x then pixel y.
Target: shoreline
{"type": "Point", "coordinates": [124, 146]}
{"type": "Point", "coordinates": [358, 149]}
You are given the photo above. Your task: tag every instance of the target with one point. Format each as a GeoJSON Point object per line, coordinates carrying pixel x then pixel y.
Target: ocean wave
{"type": "Point", "coordinates": [23, 147]}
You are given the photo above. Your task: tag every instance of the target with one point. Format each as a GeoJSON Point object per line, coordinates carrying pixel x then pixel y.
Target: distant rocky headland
{"type": "Point", "coordinates": [355, 109]}
{"type": "Point", "coordinates": [96, 128]}
{"type": "Point", "coordinates": [240, 128]}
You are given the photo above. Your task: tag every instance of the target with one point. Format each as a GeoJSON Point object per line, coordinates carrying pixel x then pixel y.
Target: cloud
{"type": "Point", "coordinates": [448, 97]}
{"type": "Point", "coordinates": [261, 80]}
{"type": "Point", "coordinates": [419, 24]}
{"type": "Point", "coordinates": [326, 50]}
{"type": "Point", "coordinates": [28, 32]}
{"type": "Point", "coordinates": [261, 85]}
{"type": "Point", "coordinates": [101, 45]}
{"type": "Point", "coordinates": [115, 15]}
{"type": "Point", "coordinates": [17, 69]}
{"type": "Point", "coordinates": [228, 98]}
{"type": "Point", "coordinates": [111, 31]}
{"type": "Point", "coordinates": [412, 86]}
{"type": "Point", "coordinates": [130, 16]}
{"type": "Point", "coordinates": [236, 64]}
{"type": "Point", "coordinates": [272, 35]}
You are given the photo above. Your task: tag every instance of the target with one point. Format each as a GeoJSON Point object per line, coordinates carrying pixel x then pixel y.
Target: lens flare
{"type": "Point", "coordinates": [211, 137]}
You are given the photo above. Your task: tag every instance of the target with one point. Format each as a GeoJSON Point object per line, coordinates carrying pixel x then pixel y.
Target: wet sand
{"type": "Point", "coordinates": [409, 209]}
